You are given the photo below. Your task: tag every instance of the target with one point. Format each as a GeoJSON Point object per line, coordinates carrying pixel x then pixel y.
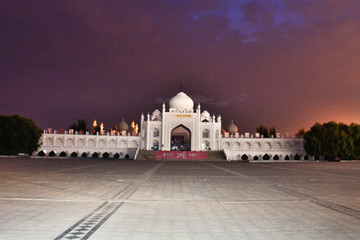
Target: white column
{"type": "Point", "coordinates": [148, 132]}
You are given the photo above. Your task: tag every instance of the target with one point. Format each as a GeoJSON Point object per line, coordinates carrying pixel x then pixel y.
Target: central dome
{"type": "Point", "coordinates": [181, 101]}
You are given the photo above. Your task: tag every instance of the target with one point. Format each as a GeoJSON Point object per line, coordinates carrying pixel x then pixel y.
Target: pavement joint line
{"type": "Point", "coordinates": [89, 224]}
{"type": "Point", "coordinates": [100, 215]}
{"type": "Point", "coordinates": [48, 200]}
{"type": "Point", "coordinates": [79, 222]}
{"type": "Point", "coordinates": [329, 205]}
{"type": "Point", "coordinates": [147, 200]}
{"type": "Point", "coordinates": [132, 187]}
{"type": "Point", "coordinates": [227, 170]}
{"type": "Point", "coordinates": [317, 173]}
{"type": "Point", "coordinates": [339, 208]}
{"type": "Point", "coordinates": [75, 168]}
{"type": "Point", "coordinates": [88, 234]}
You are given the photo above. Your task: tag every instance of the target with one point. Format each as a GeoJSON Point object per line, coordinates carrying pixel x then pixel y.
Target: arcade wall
{"type": "Point", "coordinates": [235, 148]}
{"type": "Point", "coordinates": [80, 143]}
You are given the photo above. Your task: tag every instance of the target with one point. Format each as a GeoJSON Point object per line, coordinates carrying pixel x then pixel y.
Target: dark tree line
{"type": "Point", "coordinates": [18, 135]}
{"type": "Point", "coordinates": [333, 141]}
{"type": "Point", "coordinates": [265, 132]}
{"type": "Point", "coordinates": [80, 126]}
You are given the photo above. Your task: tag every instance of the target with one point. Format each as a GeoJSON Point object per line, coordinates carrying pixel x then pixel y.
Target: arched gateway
{"type": "Point", "coordinates": [180, 138]}
{"type": "Point", "coordinates": [180, 127]}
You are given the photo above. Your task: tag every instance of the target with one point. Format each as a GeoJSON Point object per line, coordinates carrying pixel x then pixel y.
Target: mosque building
{"type": "Point", "coordinates": [177, 129]}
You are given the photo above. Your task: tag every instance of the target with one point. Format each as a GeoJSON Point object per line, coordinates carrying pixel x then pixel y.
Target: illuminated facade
{"type": "Point", "coordinates": [176, 128]}
{"type": "Point", "coordinates": [181, 128]}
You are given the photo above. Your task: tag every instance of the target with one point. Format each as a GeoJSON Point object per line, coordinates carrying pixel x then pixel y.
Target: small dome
{"type": "Point", "coordinates": [181, 101]}
{"type": "Point", "coordinates": [205, 114]}
{"type": "Point", "coordinates": [123, 126]}
{"type": "Point", "coordinates": [232, 128]}
{"type": "Point", "coordinates": [156, 113]}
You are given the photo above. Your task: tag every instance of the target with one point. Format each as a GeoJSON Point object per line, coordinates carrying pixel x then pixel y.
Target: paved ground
{"type": "Point", "coordinates": [99, 199]}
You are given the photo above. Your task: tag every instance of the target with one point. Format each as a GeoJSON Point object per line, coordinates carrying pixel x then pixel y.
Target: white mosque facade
{"type": "Point", "coordinates": [178, 128]}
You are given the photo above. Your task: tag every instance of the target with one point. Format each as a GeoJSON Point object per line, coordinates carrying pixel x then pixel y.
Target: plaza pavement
{"type": "Point", "coordinates": [52, 198]}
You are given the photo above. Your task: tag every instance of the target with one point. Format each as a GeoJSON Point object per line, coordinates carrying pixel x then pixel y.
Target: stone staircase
{"type": "Point", "coordinates": [145, 155]}
{"type": "Point", "coordinates": [215, 156]}
{"type": "Point", "coordinates": [211, 155]}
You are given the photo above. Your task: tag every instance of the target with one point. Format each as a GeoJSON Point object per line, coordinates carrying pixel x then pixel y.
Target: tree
{"type": "Point", "coordinates": [355, 134]}
{"type": "Point", "coordinates": [41, 153]}
{"type": "Point", "coordinates": [79, 126]}
{"type": "Point", "coordinates": [333, 140]}
{"type": "Point", "coordinates": [272, 132]}
{"type": "Point", "coordinates": [262, 130]}
{"type": "Point", "coordinates": [313, 140]}
{"type": "Point", "coordinates": [62, 154]}
{"type": "Point", "coordinates": [18, 135]}
{"type": "Point", "coordinates": [300, 133]}
{"type": "Point", "coordinates": [52, 154]}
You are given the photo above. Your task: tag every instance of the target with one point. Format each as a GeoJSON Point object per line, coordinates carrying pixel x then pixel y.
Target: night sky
{"type": "Point", "coordinates": [282, 63]}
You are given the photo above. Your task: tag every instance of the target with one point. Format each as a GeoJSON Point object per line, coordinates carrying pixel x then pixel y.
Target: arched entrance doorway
{"type": "Point", "coordinates": [180, 139]}
{"type": "Point", "coordinates": [155, 145]}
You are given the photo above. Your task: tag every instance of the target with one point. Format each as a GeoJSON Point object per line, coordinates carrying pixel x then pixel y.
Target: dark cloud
{"type": "Point", "coordinates": [282, 63]}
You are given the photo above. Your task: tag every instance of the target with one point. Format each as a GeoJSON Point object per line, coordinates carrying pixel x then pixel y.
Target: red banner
{"type": "Point", "coordinates": [180, 155]}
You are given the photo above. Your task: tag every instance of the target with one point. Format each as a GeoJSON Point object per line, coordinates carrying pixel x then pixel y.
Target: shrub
{"type": "Point", "coordinates": [116, 156]}
{"type": "Point", "coordinates": [256, 157]}
{"type": "Point", "coordinates": [105, 155]}
{"type": "Point", "coordinates": [84, 155]}
{"type": "Point", "coordinates": [95, 155]}
{"type": "Point", "coordinates": [317, 157]}
{"type": "Point", "coordinates": [41, 153]}
{"type": "Point", "coordinates": [52, 154]}
{"type": "Point", "coordinates": [266, 157]}
{"type": "Point", "coordinates": [276, 157]}
{"type": "Point", "coordinates": [73, 154]}
{"type": "Point", "coordinates": [63, 154]}
{"type": "Point", "coordinates": [127, 156]}
{"type": "Point", "coordinates": [18, 135]}
{"type": "Point", "coordinates": [244, 157]}
{"type": "Point", "coordinates": [297, 157]}
{"type": "Point", "coordinates": [287, 157]}
{"type": "Point", "coordinates": [306, 157]}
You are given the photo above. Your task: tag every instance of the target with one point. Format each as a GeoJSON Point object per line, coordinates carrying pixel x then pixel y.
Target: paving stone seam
{"type": "Point", "coordinates": [339, 208]}
{"type": "Point", "coordinates": [79, 222]}
{"type": "Point", "coordinates": [102, 221]}
{"type": "Point", "coordinates": [131, 188]}
{"type": "Point", "coordinates": [329, 205]}
{"type": "Point", "coordinates": [336, 207]}
{"type": "Point", "coordinates": [91, 222]}
{"type": "Point", "coordinates": [227, 170]}
{"type": "Point", "coordinates": [307, 171]}
{"type": "Point", "coordinates": [75, 168]}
